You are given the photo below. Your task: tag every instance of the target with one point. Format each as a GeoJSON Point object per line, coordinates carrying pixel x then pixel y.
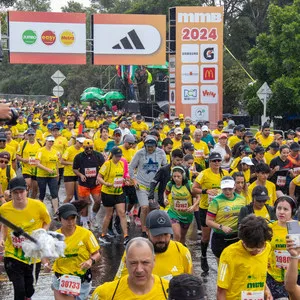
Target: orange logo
{"type": "Point", "coordinates": [48, 37]}
{"type": "Point", "coordinates": [67, 38]}
{"type": "Point", "coordinates": [209, 73]}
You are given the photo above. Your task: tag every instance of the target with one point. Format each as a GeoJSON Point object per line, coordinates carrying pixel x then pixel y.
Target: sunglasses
{"type": "Point", "coordinates": [88, 148]}
{"type": "Point", "coordinates": [4, 162]}
{"type": "Point", "coordinates": [217, 160]}
{"type": "Point", "coordinates": [130, 144]}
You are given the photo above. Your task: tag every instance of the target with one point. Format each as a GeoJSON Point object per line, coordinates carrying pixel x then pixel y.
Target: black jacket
{"type": "Point", "coordinates": [248, 209]}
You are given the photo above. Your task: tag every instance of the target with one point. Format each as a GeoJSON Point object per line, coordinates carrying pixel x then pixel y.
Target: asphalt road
{"type": "Point", "coordinates": [111, 255]}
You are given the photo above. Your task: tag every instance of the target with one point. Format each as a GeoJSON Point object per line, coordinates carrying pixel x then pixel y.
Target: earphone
{"type": "Point", "coordinates": [288, 199]}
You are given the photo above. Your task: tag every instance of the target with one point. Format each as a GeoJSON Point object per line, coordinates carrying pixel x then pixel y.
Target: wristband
{"type": "Point", "coordinates": [204, 191]}
{"type": "Point", "coordinates": [295, 257]}
{"type": "Point", "coordinates": [220, 226]}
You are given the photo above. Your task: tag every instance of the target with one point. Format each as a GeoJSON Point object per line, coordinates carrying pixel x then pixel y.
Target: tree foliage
{"type": "Point", "coordinates": [33, 5]}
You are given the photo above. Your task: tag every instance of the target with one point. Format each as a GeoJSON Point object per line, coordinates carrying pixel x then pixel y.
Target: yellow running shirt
{"type": "Point", "coordinates": [112, 173]}
{"type": "Point", "coordinates": [32, 217]}
{"type": "Point", "coordinates": [127, 154]}
{"type": "Point", "coordinates": [246, 173]}
{"type": "Point", "coordinates": [100, 145]}
{"type": "Point", "coordinates": [209, 180]}
{"type": "Point", "coordinates": [4, 179]}
{"type": "Point", "coordinates": [240, 271]}
{"type": "Point", "coordinates": [200, 149]}
{"type": "Point", "coordinates": [79, 247]}
{"type": "Point", "coordinates": [262, 213]}
{"type": "Point", "coordinates": [69, 155]}
{"type": "Point", "coordinates": [233, 140]}
{"type": "Point", "coordinates": [60, 145]}
{"type": "Point", "coordinates": [271, 192]}
{"type": "Point", "coordinates": [48, 159]}
{"type": "Point", "coordinates": [106, 290]}
{"type": "Point", "coordinates": [174, 261]}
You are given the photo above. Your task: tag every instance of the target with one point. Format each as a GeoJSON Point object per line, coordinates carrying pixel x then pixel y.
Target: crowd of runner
{"type": "Point", "coordinates": [241, 187]}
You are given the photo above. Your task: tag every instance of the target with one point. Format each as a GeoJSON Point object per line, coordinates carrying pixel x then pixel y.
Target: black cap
{"type": "Point", "coordinates": [188, 146]}
{"type": "Point", "coordinates": [248, 133]}
{"type": "Point", "coordinates": [240, 127]}
{"type": "Point", "coordinates": [3, 136]}
{"type": "Point", "coordinates": [5, 155]}
{"type": "Point", "coordinates": [274, 145]}
{"type": "Point", "coordinates": [138, 117]}
{"type": "Point", "coordinates": [290, 131]}
{"type": "Point", "coordinates": [260, 193]}
{"type": "Point", "coordinates": [116, 151]}
{"type": "Point", "coordinates": [253, 140]}
{"type": "Point", "coordinates": [158, 222]}
{"type": "Point", "coordinates": [215, 156]}
{"type": "Point", "coordinates": [55, 127]}
{"type": "Point", "coordinates": [295, 146]}
{"type": "Point", "coordinates": [117, 131]}
{"type": "Point", "coordinates": [67, 210]}
{"type": "Point", "coordinates": [17, 183]}
{"type": "Point", "coordinates": [259, 149]}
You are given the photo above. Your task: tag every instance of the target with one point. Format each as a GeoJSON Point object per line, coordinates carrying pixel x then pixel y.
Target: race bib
{"type": "Point", "coordinates": [17, 241]}
{"type": "Point", "coordinates": [199, 153]}
{"type": "Point", "coordinates": [281, 180]}
{"type": "Point", "coordinates": [282, 259]}
{"type": "Point", "coordinates": [70, 285]}
{"type": "Point", "coordinates": [255, 295]}
{"type": "Point", "coordinates": [32, 161]}
{"type": "Point", "coordinates": [181, 204]}
{"type": "Point", "coordinates": [297, 170]}
{"type": "Point", "coordinates": [118, 182]}
{"type": "Point", "coordinates": [90, 172]}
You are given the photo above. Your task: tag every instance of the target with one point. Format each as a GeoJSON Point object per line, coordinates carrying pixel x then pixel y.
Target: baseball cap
{"type": "Point", "coordinates": [34, 124]}
{"type": "Point", "coordinates": [88, 142]}
{"type": "Point", "coordinates": [240, 127]}
{"type": "Point", "coordinates": [295, 146]}
{"type": "Point", "coordinates": [215, 156]}
{"type": "Point", "coordinates": [227, 182]}
{"type": "Point", "coordinates": [138, 117]}
{"type": "Point", "coordinates": [80, 139]}
{"type": "Point", "coordinates": [259, 149]}
{"type": "Point", "coordinates": [246, 149]}
{"type": "Point", "coordinates": [129, 138]}
{"type": "Point", "coordinates": [55, 127]}
{"type": "Point", "coordinates": [158, 222]}
{"type": "Point", "coordinates": [178, 131]}
{"type": "Point", "coordinates": [117, 131]}
{"type": "Point", "coordinates": [274, 145]}
{"type": "Point", "coordinates": [3, 136]}
{"type": "Point", "coordinates": [291, 131]}
{"type": "Point", "coordinates": [116, 151]}
{"type": "Point", "coordinates": [30, 131]}
{"type": "Point", "coordinates": [223, 136]}
{"type": "Point", "coordinates": [253, 141]}
{"type": "Point", "coordinates": [109, 114]}
{"type": "Point", "coordinates": [5, 155]}
{"type": "Point", "coordinates": [17, 183]}
{"type": "Point", "coordinates": [188, 146]}
{"type": "Point", "coordinates": [50, 138]}
{"type": "Point", "coordinates": [260, 193]}
{"type": "Point", "coordinates": [204, 128]}
{"type": "Point", "coordinates": [67, 210]}
{"type": "Point", "coordinates": [248, 133]}
{"type": "Point", "coordinates": [150, 139]}
{"type": "Point", "coordinates": [247, 160]}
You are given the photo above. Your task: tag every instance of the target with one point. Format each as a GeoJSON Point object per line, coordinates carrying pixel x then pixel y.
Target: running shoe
{"type": "Point", "coordinates": [204, 264]}
{"type": "Point", "coordinates": [104, 240]}
{"type": "Point", "coordinates": [126, 240]}
{"type": "Point", "coordinates": [111, 233]}
{"type": "Point", "coordinates": [118, 228]}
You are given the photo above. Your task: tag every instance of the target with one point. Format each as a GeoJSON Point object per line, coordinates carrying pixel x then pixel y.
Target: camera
{"type": "Point", "coordinates": [294, 231]}
{"type": "Point", "coordinates": [14, 117]}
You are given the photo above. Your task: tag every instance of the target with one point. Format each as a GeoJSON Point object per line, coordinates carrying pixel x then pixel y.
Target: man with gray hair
{"type": "Point", "coordinates": [140, 282]}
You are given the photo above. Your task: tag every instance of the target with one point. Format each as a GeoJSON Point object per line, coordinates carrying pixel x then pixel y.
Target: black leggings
{"type": "Point", "coordinates": [20, 274]}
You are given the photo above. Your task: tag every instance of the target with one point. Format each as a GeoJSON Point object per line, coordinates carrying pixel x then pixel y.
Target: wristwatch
{"type": "Point", "coordinates": [220, 226]}
{"type": "Point", "coordinates": [204, 191]}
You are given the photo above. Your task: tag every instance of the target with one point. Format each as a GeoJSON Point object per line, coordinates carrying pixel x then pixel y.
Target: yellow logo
{"type": "Point", "coordinates": [67, 38]}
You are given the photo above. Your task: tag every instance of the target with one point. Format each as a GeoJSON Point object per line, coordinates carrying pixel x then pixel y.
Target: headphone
{"type": "Point", "coordinates": [288, 199]}
{"type": "Point", "coordinates": [181, 170]}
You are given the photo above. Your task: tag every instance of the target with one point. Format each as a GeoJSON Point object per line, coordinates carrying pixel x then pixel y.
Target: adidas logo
{"type": "Point", "coordinates": [174, 269]}
{"type": "Point", "coordinates": [80, 243]}
{"type": "Point", "coordinates": [32, 220]}
{"type": "Point", "coordinates": [125, 42]}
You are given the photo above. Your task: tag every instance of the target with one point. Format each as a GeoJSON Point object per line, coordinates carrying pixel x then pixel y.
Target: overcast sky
{"type": "Point", "coordinates": [57, 4]}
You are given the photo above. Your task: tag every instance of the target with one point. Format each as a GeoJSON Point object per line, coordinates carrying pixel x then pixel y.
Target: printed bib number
{"type": "Point", "coordinates": [282, 259]}
{"type": "Point", "coordinates": [90, 172]}
{"type": "Point", "coordinates": [17, 241]}
{"type": "Point", "coordinates": [32, 161]}
{"type": "Point", "coordinates": [70, 285]}
{"type": "Point", "coordinates": [199, 153]}
{"type": "Point", "coordinates": [281, 180]}
{"type": "Point", "coordinates": [181, 204]}
{"type": "Point", "coordinates": [255, 295]}
{"type": "Point", "coordinates": [118, 182]}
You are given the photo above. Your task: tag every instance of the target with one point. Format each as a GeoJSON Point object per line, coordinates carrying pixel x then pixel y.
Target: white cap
{"type": "Point", "coordinates": [247, 160]}
{"type": "Point", "coordinates": [50, 138]}
{"type": "Point", "coordinates": [227, 184]}
{"type": "Point", "coordinates": [204, 128]}
{"type": "Point", "coordinates": [80, 139]}
{"type": "Point", "coordinates": [178, 130]}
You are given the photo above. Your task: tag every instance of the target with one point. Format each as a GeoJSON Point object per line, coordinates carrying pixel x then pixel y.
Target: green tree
{"type": "Point", "coordinates": [73, 6]}
{"type": "Point", "coordinates": [33, 5]}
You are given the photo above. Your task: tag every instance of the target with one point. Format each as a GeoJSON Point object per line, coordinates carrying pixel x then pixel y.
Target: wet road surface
{"type": "Point", "coordinates": [111, 255]}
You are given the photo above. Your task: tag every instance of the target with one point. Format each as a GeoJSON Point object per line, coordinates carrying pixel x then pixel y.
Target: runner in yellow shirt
{"type": "Point", "coordinates": [177, 142]}
{"type": "Point", "coordinates": [244, 166]}
{"type": "Point", "coordinates": [265, 138]}
{"type": "Point", "coordinates": [201, 150]}
{"type": "Point", "coordinates": [139, 125]}
{"type": "Point", "coordinates": [242, 270]}
{"type": "Point", "coordinates": [6, 174]}
{"type": "Point", "coordinates": [101, 142]}
{"type": "Point", "coordinates": [272, 152]}
{"type": "Point", "coordinates": [10, 150]}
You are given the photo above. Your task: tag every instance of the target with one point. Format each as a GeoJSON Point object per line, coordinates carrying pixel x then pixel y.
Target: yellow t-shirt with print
{"type": "Point", "coordinates": [4, 179]}
{"type": "Point", "coordinates": [106, 290]}
{"type": "Point", "coordinates": [268, 157]}
{"type": "Point", "coordinates": [32, 217]}
{"type": "Point", "coordinates": [209, 180]}
{"type": "Point", "coordinates": [49, 159]}
{"type": "Point", "coordinates": [240, 271]}
{"type": "Point", "coordinates": [60, 145]}
{"type": "Point", "coordinates": [100, 145]}
{"type": "Point", "coordinates": [79, 247]}
{"type": "Point", "coordinates": [200, 148]}
{"type": "Point", "coordinates": [112, 173]}
{"type": "Point", "coordinates": [235, 162]}
{"type": "Point", "coordinates": [265, 142]}
{"type": "Point", "coordinates": [139, 127]}
{"type": "Point", "coordinates": [262, 213]}
{"type": "Point", "coordinates": [21, 127]}
{"type": "Point", "coordinates": [69, 155]}
{"type": "Point", "coordinates": [29, 151]}
{"type": "Point", "coordinates": [128, 154]}
{"type": "Point", "coordinates": [270, 186]}
{"type": "Point", "coordinates": [91, 124]}
{"type": "Point", "coordinates": [174, 261]}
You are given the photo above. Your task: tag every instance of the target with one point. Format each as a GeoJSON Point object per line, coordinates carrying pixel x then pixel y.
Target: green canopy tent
{"type": "Point", "coordinates": [161, 67]}
{"type": "Point", "coordinates": [112, 96]}
{"type": "Point", "coordinates": [90, 96]}
{"type": "Point", "coordinates": [94, 90]}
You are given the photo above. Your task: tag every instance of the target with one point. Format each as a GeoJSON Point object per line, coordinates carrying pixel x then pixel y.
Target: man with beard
{"type": "Point", "coordinates": [171, 258]}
